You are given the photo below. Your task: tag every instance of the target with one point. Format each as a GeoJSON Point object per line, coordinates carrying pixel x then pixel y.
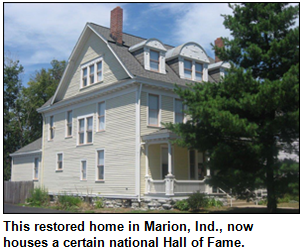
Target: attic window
{"type": "Point", "coordinates": [154, 60]}
{"type": "Point", "coordinates": [92, 72]}
{"type": "Point", "coordinates": [192, 70]}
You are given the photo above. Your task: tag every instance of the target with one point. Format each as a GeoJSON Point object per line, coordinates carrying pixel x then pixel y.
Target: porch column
{"type": "Point", "coordinates": [170, 177]}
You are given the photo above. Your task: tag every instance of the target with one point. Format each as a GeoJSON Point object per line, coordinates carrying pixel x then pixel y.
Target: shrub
{"type": "Point", "coordinates": [99, 203]}
{"type": "Point", "coordinates": [182, 205]}
{"type": "Point", "coordinates": [38, 197]}
{"type": "Point", "coordinates": [197, 200]}
{"type": "Point", "coordinates": [214, 203]}
{"type": "Point", "coordinates": [68, 201]}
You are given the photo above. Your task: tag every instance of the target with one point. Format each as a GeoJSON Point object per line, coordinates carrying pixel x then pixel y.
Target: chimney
{"type": "Point", "coordinates": [218, 43]}
{"type": "Point", "coordinates": [116, 25]}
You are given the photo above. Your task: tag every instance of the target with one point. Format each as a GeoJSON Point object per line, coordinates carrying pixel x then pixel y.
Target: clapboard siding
{"type": "Point", "coordinates": [93, 49]}
{"type": "Point", "coordinates": [118, 141]}
{"type": "Point", "coordinates": [23, 167]}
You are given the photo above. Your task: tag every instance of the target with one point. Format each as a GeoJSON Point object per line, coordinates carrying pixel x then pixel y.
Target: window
{"type": "Point", "coordinates": [197, 167]}
{"type": "Point", "coordinates": [154, 60]}
{"type": "Point", "coordinates": [92, 72]}
{"type": "Point", "coordinates": [153, 119]}
{"type": "Point", "coordinates": [83, 169]}
{"type": "Point", "coordinates": [85, 128]}
{"type": "Point", "coordinates": [179, 114]}
{"type": "Point", "coordinates": [69, 124]}
{"type": "Point", "coordinates": [188, 69]}
{"type": "Point", "coordinates": [101, 116]}
{"type": "Point", "coordinates": [59, 161]}
{"type": "Point", "coordinates": [100, 165]}
{"type": "Point", "coordinates": [51, 128]}
{"type": "Point", "coordinates": [198, 72]}
{"type": "Point", "coordinates": [36, 168]}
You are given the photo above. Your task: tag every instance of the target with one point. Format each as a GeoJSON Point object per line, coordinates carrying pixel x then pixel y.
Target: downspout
{"type": "Point", "coordinates": [42, 153]}
{"type": "Point", "coordinates": [138, 142]}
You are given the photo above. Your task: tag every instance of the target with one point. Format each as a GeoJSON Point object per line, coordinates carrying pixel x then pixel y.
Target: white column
{"type": "Point", "coordinates": [170, 177]}
{"type": "Point", "coordinates": [147, 179]}
{"type": "Point", "coordinates": [169, 159]}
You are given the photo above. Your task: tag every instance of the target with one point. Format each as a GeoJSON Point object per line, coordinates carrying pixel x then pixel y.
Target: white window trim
{"type": "Point", "coordinates": [182, 69]}
{"type": "Point", "coordinates": [97, 116]}
{"type": "Point", "coordinates": [66, 124]}
{"type": "Point", "coordinates": [54, 127]}
{"type": "Point", "coordinates": [96, 164]}
{"type": "Point", "coordinates": [57, 159]}
{"type": "Point", "coordinates": [36, 178]}
{"type": "Point", "coordinates": [159, 112]}
{"type": "Point", "coordinates": [87, 65]}
{"type": "Point", "coordinates": [174, 111]}
{"type": "Point", "coordinates": [81, 174]}
{"type": "Point", "coordinates": [85, 129]}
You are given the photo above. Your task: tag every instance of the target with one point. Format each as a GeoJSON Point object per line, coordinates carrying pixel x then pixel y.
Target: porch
{"type": "Point", "coordinates": [171, 170]}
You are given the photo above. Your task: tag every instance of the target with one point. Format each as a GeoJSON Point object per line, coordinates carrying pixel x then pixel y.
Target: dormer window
{"type": "Point", "coordinates": [198, 71]}
{"type": "Point", "coordinates": [188, 69]}
{"type": "Point", "coordinates": [151, 54]}
{"type": "Point", "coordinates": [92, 72]}
{"type": "Point", "coordinates": [154, 60]}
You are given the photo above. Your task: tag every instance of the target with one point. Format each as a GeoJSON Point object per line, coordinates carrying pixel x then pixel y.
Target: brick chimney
{"type": "Point", "coordinates": [218, 43]}
{"type": "Point", "coordinates": [116, 25]}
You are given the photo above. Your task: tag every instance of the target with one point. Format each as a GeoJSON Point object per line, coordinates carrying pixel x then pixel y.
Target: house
{"type": "Point", "coordinates": [102, 129]}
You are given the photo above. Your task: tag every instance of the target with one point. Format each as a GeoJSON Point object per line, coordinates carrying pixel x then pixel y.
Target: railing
{"type": "Point", "coordinates": [227, 195]}
{"type": "Point", "coordinates": [177, 187]}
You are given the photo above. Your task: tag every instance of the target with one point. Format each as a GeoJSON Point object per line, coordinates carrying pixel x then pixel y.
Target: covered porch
{"type": "Point", "coordinates": [171, 170]}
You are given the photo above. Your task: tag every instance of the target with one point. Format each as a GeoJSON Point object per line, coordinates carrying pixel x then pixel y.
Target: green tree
{"type": "Point", "coordinates": [11, 134]}
{"type": "Point", "coordinates": [249, 116]}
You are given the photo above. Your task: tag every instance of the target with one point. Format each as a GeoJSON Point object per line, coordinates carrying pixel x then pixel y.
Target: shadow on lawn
{"type": "Point", "coordinates": [253, 210]}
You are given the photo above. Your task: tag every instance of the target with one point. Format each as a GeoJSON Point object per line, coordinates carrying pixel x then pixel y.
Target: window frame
{"type": "Point", "coordinates": [158, 110]}
{"type": "Point", "coordinates": [100, 116]}
{"type": "Point", "coordinates": [81, 169]}
{"type": "Point", "coordinates": [85, 131]}
{"type": "Point", "coordinates": [187, 69]}
{"type": "Point", "coordinates": [183, 69]}
{"type": "Point", "coordinates": [69, 124]}
{"type": "Point", "coordinates": [200, 72]}
{"type": "Point", "coordinates": [97, 165]}
{"type": "Point", "coordinates": [90, 74]}
{"type": "Point", "coordinates": [59, 161]}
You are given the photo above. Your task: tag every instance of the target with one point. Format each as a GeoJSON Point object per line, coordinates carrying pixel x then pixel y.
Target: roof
{"type": "Point", "coordinates": [35, 146]}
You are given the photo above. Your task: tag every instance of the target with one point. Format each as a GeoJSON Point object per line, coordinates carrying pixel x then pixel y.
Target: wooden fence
{"type": "Point", "coordinates": [17, 191]}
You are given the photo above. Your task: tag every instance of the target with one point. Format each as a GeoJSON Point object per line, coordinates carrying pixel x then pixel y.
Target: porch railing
{"type": "Point", "coordinates": [177, 187]}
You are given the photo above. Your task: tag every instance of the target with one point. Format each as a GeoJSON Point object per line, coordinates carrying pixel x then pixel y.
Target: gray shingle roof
{"type": "Point", "coordinates": [34, 146]}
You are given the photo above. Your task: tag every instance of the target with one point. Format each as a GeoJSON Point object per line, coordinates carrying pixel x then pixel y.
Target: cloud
{"type": "Point", "coordinates": [49, 31]}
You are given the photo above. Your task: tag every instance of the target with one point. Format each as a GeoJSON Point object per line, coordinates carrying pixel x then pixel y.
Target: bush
{"type": "Point", "coordinates": [99, 203]}
{"type": "Point", "coordinates": [182, 205]}
{"type": "Point", "coordinates": [197, 200]}
{"type": "Point", "coordinates": [214, 203]}
{"type": "Point", "coordinates": [68, 201]}
{"type": "Point", "coordinates": [38, 197]}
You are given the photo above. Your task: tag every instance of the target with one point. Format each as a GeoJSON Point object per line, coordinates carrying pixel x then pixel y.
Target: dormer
{"type": "Point", "coordinates": [151, 53]}
{"type": "Point", "coordinates": [189, 61]}
{"type": "Point", "coordinates": [218, 70]}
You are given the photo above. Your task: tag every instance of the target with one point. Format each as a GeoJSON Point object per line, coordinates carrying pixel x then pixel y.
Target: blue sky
{"type": "Point", "coordinates": [38, 33]}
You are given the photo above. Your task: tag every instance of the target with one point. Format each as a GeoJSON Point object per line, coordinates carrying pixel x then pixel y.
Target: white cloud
{"type": "Point", "coordinates": [49, 31]}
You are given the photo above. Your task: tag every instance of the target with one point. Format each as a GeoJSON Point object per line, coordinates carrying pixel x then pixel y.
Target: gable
{"type": "Point", "coordinates": [89, 48]}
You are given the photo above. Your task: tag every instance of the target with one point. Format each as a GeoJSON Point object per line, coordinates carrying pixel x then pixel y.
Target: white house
{"type": "Point", "coordinates": [102, 131]}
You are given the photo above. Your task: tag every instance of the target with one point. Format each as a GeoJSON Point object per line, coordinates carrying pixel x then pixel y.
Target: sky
{"type": "Point", "coordinates": [36, 33]}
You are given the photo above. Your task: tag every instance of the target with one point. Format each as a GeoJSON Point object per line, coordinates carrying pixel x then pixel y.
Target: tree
{"type": "Point", "coordinates": [249, 116]}
{"type": "Point", "coordinates": [12, 87]}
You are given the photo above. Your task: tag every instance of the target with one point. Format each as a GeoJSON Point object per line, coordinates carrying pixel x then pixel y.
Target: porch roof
{"type": "Point", "coordinates": [162, 134]}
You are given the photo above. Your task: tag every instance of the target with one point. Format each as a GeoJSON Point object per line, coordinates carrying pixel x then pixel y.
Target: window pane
{"type": "Point", "coordinates": [198, 67]}
{"type": "Point", "coordinates": [198, 76]}
{"type": "Point", "coordinates": [69, 130]}
{"type": "Point", "coordinates": [99, 66]}
{"type": "Point", "coordinates": [188, 74]}
{"type": "Point", "coordinates": [153, 117]}
{"type": "Point", "coordinates": [100, 158]}
{"type": "Point", "coordinates": [89, 137]}
{"type": "Point", "coordinates": [85, 72]}
{"type": "Point", "coordinates": [153, 102]}
{"type": "Point", "coordinates": [82, 125]}
{"type": "Point", "coordinates": [51, 121]}
{"type": "Point", "coordinates": [154, 65]}
{"type": "Point", "coordinates": [91, 68]}
{"type": "Point", "coordinates": [89, 123]}
{"type": "Point", "coordinates": [178, 118]}
{"type": "Point", "coordinates": [100, 172]}
{"type": "Point", "coordinates": [81, 138]}
{"type": "Point", "coordinates": [102, 123]}
{"type": "Point", "coordinates": [188, 64]}
{"type": "Point", "coordinates": [84, 170]}
{"type": "Point", "coordinates": [101, 108]}
{"type": "Point", "coordinates": [59, 157]}
{"type": "Point", "coordinates": [154, 55]}
{"type": "Point", "coordinates": [69, 117]}
{"type": "Point", "coordinates": [178, 106]}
